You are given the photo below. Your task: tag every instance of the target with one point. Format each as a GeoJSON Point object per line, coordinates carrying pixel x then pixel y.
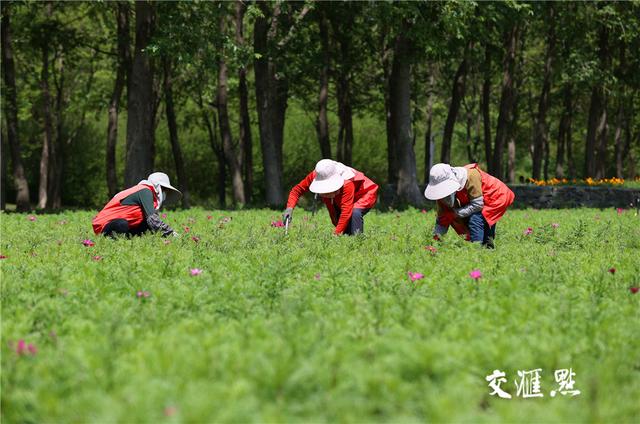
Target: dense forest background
{"type": "Point", "coordinates": [237, 100]}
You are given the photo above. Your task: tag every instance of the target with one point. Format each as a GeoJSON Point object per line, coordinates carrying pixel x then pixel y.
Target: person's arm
{"type": "Point", "coordinates": [144, 199]}
{"type": "Point", "coordinates": [299, 189]}
{"type": "Point", "coordinates": [346, 206]}
{"type": "Point", "coordinates": [474, 190]}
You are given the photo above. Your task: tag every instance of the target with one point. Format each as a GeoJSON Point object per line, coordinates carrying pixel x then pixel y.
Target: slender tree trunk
{"type": "Point", "coordinates": [507, 99]}
{"type": "Point", "coordinates": [246, 141]}
{"type": "Point", "coordinates": [540, 137]}
{"type": "Point", "coordinates": [571, 164]}
{"type": "Point", "coordinates": [322, 123]}
{"type": "Point", "coordinates": [457, 93]}
{"type": "Point", "coordinates": [225, 129]}
{"type": "Point", "coordinates": [429, 130]}
{"type": "Point", "coordinates": [54, 195]}
{"type": "Point", "coordinates": [122, 71]}
{"type": "Point", "coordinates": [45, 158]}
{"type": "Point", "coordinates": [400, 99]}
{"type": "Point", "coordinates": [141, 100]}
{"type": "Point", "coordinates": [628, 139]}
{"type": "Point", "coordinates": [392, 161]}
{"type": "Point", "coordinates": [11, 113]}
{"type": "Point", "coordinates": [212, 130]}
{"type": "Point", "coordinates": [486, 103]}
{"type": "Point", "coordinates": [597, 121]}
{"type": "Point", "coordinates": [173, 131]}
{"type": "Point", "coordinates": [563, 130]}
{"type": "Point", "coordinates": [269, 105]}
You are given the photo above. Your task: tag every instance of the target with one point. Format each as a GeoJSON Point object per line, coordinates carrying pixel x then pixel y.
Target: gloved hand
{"type": "Point", "coordinates": [288, 214]}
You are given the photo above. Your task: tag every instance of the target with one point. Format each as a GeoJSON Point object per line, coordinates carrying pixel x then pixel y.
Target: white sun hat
{"type": "Point", "coordinates": [330, 176]}
{"type": "Point", "coordinates": [161, 179]}
{"type": "Point", "coordinates": [445, 180]}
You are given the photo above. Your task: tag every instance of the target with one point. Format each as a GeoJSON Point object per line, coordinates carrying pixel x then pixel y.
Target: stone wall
{"type": "Point", "coordinates": [545, 197]}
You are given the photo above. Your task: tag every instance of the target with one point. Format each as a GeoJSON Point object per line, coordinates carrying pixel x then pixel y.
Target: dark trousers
{"type": "Point", "coordinates": [121, 227]}
{"type": "Point", "coordinates": [356, 224]}
{"type": "Point", "coordinates": [480, 230]}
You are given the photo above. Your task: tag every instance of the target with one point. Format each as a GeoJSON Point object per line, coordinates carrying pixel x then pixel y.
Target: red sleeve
{"type": "Point", "coordinates": [299, 189]}
{"type": "Point", "coordinates": [346, 206]}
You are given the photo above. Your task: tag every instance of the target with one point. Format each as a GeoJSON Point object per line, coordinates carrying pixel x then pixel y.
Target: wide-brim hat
{"type": "Point", "coordinates": [443, 181]}
{"type": "Point", "coordinates": [160, 178]}
{"type": "Point", "coordinates": [330, 176]}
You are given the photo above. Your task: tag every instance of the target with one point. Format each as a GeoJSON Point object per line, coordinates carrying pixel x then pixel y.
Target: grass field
{"type": "Point", "coordinates": [316, 328]}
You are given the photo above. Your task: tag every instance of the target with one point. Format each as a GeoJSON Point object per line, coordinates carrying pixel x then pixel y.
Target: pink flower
{"type": "Point", "coordinates": [164, 215]}
{"type": "Point", "coordinates": [431, 249]}
{"type": "Point", "coordinates": [225, 219]}
{"type": "Point", "coordinates": [3, 257]}
{"type": "Point", "coordinates": [317, 276]}
{"type": "Point", "coordinates": [634, 290]}
{"type": "Point", "coordinates": [620, 210]}
{"type": "Point", "coordinates": [475, 274]}
{"type": "Point", "coordinates": [555, 225]}
{"type": "Point", "coordinates": [97, 258]}
{"type": "Point", "coordinates": [22, 348]}
{"type": "Point", "coordinates": [195, 239]}
{"type": "Point", "coordinates": [186, 229]}
{"type": "Point", "coordinates": [142, 294]}
{"type": "Point", "coordinates": [32, 218]}
{"type": "Point", "coordinates": [32, 349]}
{"type": "Point", "coordinates": [195, 271]}
{"type": "Point", "coordinates": [209, 217]}
{"type": "Point", "coordinates": [413, 276]}
{"type": "Point", "coordinates": [528, 231]}
{"type": "Point", "coordinates": [88, 243]}
{"type": "Point", "coordinates": [277, 224]}
{"type": "Point", "coordinates": [423, 211]}
{"type": "Point", "coordinates": [612, 270]}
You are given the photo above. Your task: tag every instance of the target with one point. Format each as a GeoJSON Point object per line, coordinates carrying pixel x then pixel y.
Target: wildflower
{"type": "Point", "coordinates": [423, 211]}
{"type": "Point", "coordinates": [413, 276]}
{"type": "Point", "coordinates": [166, 242]}
{"type": "Point", "coordinates": [3, 257]}
{"type": "Point", "coordinates": [63, 222]}
{"type": "Point", "coordinates": [88, 243]}
{"type": "Point", "coordinates": [634, 290]}
{"type": "Point", "coordinates": [164, 215]}
{"type": "Point", "coordinates": [317, 276]}
{"type": "Point", "coordinates": [186, 229]}
{"type": "Point", "coordinates": [195, 239]}
{"type": "Point", "coordinates": [22, 348]}
{"type": "Point", "coordinates": [612, 270]}
{"type": "Point", "coordinates": [620, 210]}
{"type": "Point", "coordinates": [528, 231]}
{"type": "Point", "coordinates": [97, 258]}
{"type": "Point", "coordinates": [225, 219]}
{"type": "Point", "coordinates": [170, 411]}
{"type": "Point", "coordinates": [475, 274]}
{"type": "Point", "coordinates": [277, 224]}
{"type": "Point", "coordinates": [32, 349]}
{"type": "Point", "coordinates": [32, 218]}
{"type": "Point", "coordinates": [555, 225]}
{"type": "Point", "coordinates": [431, 249]}
{"type": "Point", "coordinates": [209, 217]}
{"type": "Point", "coordinates": [142, 294]}
{"type": "Point", "coordinates": [195, 271]}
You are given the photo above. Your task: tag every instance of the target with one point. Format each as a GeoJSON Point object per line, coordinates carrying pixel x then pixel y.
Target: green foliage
{"type": "Point", "coordinates": [313, 327]}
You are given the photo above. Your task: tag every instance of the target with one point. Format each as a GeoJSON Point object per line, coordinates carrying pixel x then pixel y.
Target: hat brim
{"type": "Point", "coordinates": [172, 193]}
{"type": "Point", "coordinates": [441, 190]}
{"type": "Point", "coordinates": [329, 185]}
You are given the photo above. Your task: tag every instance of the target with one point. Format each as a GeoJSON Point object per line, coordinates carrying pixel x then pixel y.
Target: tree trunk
{"type": "Point", "coordinates": [540, 136]}
{"type": "Point", "coordinates": [11, 114]}
{"type": "Point", "coordinates": [56, 153]}
{"type": "Point", "coordinates": [457, 93]}
{"type": "Point", "coordinates": [619, 148]}
{"type": "Point", "coordinates": [173, 131]}
{"type": "Point", "coordinates": [486, 102]}
{"type": "Point", "coordinates": [507, 98]}
{"type": "Point", "coordinates": [47, 144]}
{"type": "Point", "coordinates": [400, 101]}
{"type": "Point", "coordinates": [141, 100]}
{"type": "Point", "coordinates": [563, 132]}
{"type": "Point", "coordinates": [428, 142]}
{"type": "Point", "coordinates": [322, 123]}
{"type": "Point", "coordinates": [628, 139]}
{"type": "Point", "coordinates": [269, 105]}
{"type": "Point", "coordinates": [217, 151]}
{"type": "Point", "coordinates": [246, 142]}
{"type": "Point", "coordinates": [597, 121]}
{"type": "Point", "coordinates": [122, 72]}
{"type": "Point", "coordinates": [225, 129]}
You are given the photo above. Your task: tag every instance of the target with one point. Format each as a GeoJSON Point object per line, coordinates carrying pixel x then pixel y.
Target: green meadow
{"type": "Point", "coordinates": [310, 327]}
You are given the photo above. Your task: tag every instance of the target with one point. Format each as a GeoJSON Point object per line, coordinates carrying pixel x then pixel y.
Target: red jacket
{"type": "Point", "coordinates": [496, 195]}
{"type": "Point", "coordinates": [114, 210]}
{"type": "Point", "coordinates": [358, 192]}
